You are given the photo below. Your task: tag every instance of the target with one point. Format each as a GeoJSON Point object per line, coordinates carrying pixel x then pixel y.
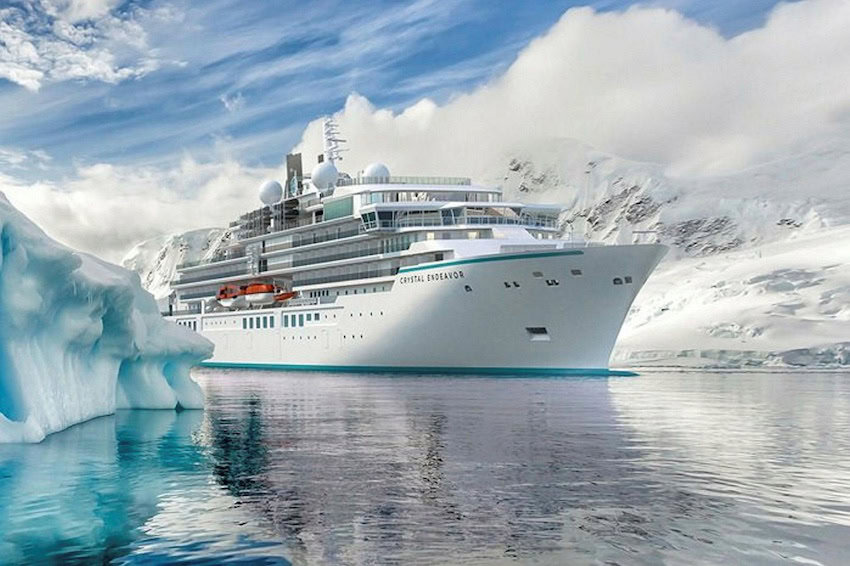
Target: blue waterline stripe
{"type": "Point", "coordinates": [424, 369]}
{"type": "Point", "coordinates": [489, 258]}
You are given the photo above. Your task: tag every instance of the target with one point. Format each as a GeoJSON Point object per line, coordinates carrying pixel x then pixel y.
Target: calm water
{"type": "Point", "coordinates": [351, 469]}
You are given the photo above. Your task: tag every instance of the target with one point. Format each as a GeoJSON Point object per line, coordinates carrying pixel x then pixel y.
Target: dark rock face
{"type": "Point", "coordinates": [703, 236]}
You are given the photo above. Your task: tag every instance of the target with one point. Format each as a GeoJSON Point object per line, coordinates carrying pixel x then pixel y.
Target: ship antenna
{"type": "Point", "coordinates": [330, 131]}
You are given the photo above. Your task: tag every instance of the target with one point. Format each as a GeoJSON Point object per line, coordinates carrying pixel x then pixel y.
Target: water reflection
{"type": "Point", "coordinates": [376, 469]}
{"type": "Point", "coordinates": [397, 469]}
{"type": "Point", "coordinates": [354, 469]}
{"type": "Point", "coordinates": [105, 491]}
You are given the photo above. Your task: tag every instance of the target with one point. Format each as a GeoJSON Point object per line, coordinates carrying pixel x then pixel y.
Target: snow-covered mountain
{"type": "Point", "coordinates": [759, 268]}
{"type": "Point", "coordinates": [156, 260]}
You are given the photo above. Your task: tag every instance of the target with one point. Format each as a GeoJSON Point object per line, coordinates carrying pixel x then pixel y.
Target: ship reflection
{"type": "Point", "coordinates": [355, 469]}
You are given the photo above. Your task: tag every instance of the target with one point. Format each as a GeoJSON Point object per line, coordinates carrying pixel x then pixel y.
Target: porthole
{"type": "Point", "coordinates": [575, 272]}
{"type": "Point", "coordinates": [618, 281]}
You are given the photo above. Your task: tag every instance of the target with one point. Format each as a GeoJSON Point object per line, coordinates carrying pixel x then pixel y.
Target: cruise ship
{"type": "Point", "coordinates": [377, 272]}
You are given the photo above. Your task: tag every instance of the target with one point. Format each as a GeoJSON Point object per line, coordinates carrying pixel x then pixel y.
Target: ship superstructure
{"type": "Point", "coordinates": [381, 272]}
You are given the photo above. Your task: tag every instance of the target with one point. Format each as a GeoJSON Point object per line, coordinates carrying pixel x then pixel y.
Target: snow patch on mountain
{"type": "Point", "coordinates": [156, 260]}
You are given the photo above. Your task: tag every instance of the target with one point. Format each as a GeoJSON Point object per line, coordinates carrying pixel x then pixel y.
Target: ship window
{"type": "Point", "coordinates": [438, 257]}
{"type": "Point", "coordinates": [258, 321]}
{"type": "Point", "coordinates": [286, 321]}
{"type": "Point", "coordinates": [300, 320]}
{"type": "Point", "coordinates": [271, 322]}
{"type": "Point", "coordinates": [537, 275]}
{"type": "Point", "coordinates": [628, 278]}
{"type": "Point", "coordinates": [265, 322]}
{"type": "Point", "coordinates": [537, 333]}
{"type": "Point", "coordinates": [618, 281]}
{"type": "Point", "coordinates": [293, 321]}
{"type": "Point", "coordinates": [251, 323]}
{"type": "Point", "coordinates": [575, 272]}
{"type": "Point", "coordinates": [316, 316]}
{"type": "Point", "coordinates": [309, 317]}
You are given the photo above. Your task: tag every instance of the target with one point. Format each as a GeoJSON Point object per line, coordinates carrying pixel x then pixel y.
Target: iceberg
{"type": "Point", "coordinates": [80, 338]}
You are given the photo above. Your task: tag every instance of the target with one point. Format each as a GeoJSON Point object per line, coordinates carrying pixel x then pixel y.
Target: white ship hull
{"type": "Point", "coordinates": [452, 316]}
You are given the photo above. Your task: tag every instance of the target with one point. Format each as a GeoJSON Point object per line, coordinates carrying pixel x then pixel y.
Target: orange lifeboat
{"type": "Point", "coordinates": [259, 293]}
{"type": "Point", "coordinates": [231, 296]}
{"type": "Point", "coordinates": [280, 297]}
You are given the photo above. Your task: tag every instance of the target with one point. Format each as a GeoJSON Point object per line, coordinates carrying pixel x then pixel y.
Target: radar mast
{"type": "Point", "coordinates": [330, 132]}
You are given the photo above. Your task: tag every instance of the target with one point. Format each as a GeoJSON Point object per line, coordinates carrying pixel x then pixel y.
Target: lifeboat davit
{"type": "Point", "coordinates": [260, 294]}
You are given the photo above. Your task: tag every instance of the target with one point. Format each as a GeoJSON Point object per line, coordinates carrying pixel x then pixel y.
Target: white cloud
{"type": "Point", "coordinates": [59, 40]}
{"type": "Point", "coordinates": [79, 10]}
{"type": "Point", "coordinates": [645, 83]}
{"type": "Point", "coordinates": [12, 158]}
{"type": "Point", "coordinates": [232, 102]}
{"type": "Point", "coordinates": [106, 209]}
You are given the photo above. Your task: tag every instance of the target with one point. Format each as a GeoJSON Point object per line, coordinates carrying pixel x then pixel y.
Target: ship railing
{"type": "Point", "coordinates": [300, 302]}
{"type": "Point", "coordinates": [183, 312]}
{"type": "Point", "coordinates": [424, 222]}
{"type": "Point", "coordinates": [311, 240]}
{"type": "Point", "coordinates": [216, 259]}
{"type": "Point", "coordinates": [219, 275]}
{"type": "Point", "coordinates": [370, 274]}
{"type": "Point", "coordinates": [396, 180]}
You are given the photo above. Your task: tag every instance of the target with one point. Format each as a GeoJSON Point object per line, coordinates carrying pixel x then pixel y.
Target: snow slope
{"type": "Point", "coordinates": [156, 260]}
{"type": "Point", "coordinates": [79, 337]}
{"type": "Point", "coordinates": [758, 273]}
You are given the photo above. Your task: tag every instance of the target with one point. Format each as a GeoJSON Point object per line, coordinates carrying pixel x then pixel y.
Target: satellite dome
{"type": "Point", "coordinates": [378, 170]}
{"type": "Point", "coordinates": [271, 192]}
{"type": "Point", "coordinates": [324, 176]}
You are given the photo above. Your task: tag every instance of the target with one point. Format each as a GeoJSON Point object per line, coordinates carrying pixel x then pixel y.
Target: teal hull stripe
{"type": "Point", "coordinates": [424, 369]}
{"type": "Point", "coordinates": [505, 257]}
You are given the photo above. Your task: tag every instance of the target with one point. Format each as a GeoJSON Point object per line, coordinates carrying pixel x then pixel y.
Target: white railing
{"type": "Point", "coordinates": [460, 181]}
{"type": "Point", "coordinates": [424, 222]}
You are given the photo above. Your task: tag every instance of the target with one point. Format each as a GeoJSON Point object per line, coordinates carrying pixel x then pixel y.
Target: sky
{"type": "Point", "coordinates": [124, 120]}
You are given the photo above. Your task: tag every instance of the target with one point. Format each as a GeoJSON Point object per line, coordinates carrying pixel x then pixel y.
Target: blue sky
{"type": "Point", "coordinates": [144, 83]}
